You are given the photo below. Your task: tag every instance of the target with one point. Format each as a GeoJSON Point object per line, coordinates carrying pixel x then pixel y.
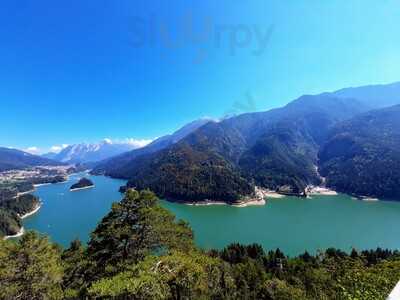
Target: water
{"type": "Point", "coordinates": [66, 215]}
{"type": "Point", "coordinates": [295, 224]}
{"type": "Point", "coordinates": [292, 224]}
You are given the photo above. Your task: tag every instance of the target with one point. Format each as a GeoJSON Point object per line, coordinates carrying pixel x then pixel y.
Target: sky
{"type": "Point", "coordinates": [81, 71]}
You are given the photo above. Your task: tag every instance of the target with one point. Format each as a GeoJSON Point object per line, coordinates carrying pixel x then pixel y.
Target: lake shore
{"type": "Point", "coordinates": [22, 230]}
{"type": "Point", "coordinates": [254, 202]}
{"type": "Point", "coordinates": [82, 188]}
{"type": "Point", "coordinates": [18, 234]}
{"type": "Point", "coordinates": [257, 200]}
{"type": "Point", "coordinates": [368, 199]}
{"type": "Point", "coordinates": [34, 211]}
{"type": "Point", "coordinates": [320, 191]}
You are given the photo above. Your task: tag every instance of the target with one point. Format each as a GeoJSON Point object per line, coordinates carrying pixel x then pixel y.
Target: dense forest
{"type": "Point", "coordinates": [140, 251]}
{"type": "Point", "coordinates": [277, 149]}
{"type": "Point", "coordinates": [362, 156]}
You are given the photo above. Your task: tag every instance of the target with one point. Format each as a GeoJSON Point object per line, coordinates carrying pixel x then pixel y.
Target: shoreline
{"type": "Point", "coordinates": [235, 204]}
{"type": "Point", "coordinates": [25, 193]}
{"type": "Point", "coordinates": [320, 191]}
{"type": "Point", "coordinates": [274, 195]}
{"type": "Point", "coordinates": [18, 234]}
{"type": "Point", "coordinates": [82, 188]}
{"type": "Point", "coordinates": [41, 184]}
{"type": "Point", "coordinates": [368, 199]}
{"type": "Point", "coordinates": [34, 211]}
{"type": "Point", "coordinates": [21, 232]}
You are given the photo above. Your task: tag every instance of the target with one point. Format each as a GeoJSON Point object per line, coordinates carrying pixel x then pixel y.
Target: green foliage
{"type": "Point", "coordinates": [374, 283]}
{"type": "Point", "coordinates": [191, 174]}
{"type": "Point", "coordinates": [174, 276]}
{"type": "Point", "coordinates": [12, 209]}
{"type": "Point", "coordinates": [10, 223]}
{"type": "Point", "coordinates": [284, 157]}
{"type": "Point", "coordinates": [22, 204]}
{"type": "Point", "coordinates": [135, 228]}
{"type": "Point", "coordinates": [30, 269]}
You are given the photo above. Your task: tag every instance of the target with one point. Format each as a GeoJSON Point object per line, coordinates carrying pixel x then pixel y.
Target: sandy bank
{"type": "Point", "coordinates": [369, 199]}
{"type": "Point", "coordinates": [321, 191]}
{"type": "Point", "coordinates": [83, 188]}
{"type": "Point", "coordinates": [18, 234]}
{"type": "Point", "coordinates": [255, 202]}
{"type": "Point", "coordinates": [34, 211]}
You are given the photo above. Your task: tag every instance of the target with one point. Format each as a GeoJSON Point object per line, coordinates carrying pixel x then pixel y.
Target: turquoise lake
{"type": "Point", "coordinates": [291, 224]}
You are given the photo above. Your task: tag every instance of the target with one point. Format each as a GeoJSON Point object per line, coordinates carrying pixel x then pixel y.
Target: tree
{"type": "Point", "coordinates": [177, 275]}
{"type": "Point", "coordinates": [135, 228]}
{"type": "Point", "coordinates": [76, 264]}
{"type": "Point", "coordinates": [30, 269]}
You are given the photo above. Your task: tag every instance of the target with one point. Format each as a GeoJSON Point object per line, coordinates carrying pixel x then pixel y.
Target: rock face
{"type": "Point", "coordinates": [82, 184]}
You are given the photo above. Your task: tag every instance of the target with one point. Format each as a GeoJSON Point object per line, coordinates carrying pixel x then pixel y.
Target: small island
{"type": "Point", "coordinates": [84, 183]}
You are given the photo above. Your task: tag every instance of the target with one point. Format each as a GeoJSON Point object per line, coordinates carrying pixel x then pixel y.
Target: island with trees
{"type": "Point", "coordinates": [83, 183]}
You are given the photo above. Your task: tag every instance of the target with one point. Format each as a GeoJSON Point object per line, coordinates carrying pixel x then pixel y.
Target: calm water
{"type": "Point", "coordinates": [292, 224]}
{"type": "Point", "coordinates": [66, 215]}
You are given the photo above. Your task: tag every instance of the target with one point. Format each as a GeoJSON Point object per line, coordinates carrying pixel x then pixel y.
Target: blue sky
{"type": "Point", "coordinates": [80, 71]}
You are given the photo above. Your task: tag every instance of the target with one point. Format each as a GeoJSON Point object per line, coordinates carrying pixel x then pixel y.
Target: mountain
{"type": "Point", "coordinates": [116, 166]}
{"type": "Point", "coordinates": [277, 149]}
{"type": "Point", "coordinates": [362, 155]}
{"type": "Point", "coordinates": [50, 155]}
{"type": "Point", "coordinates": [87, 153]}
{"type": "Point", "coordinates": [15, 159]}
{"type": "Point", "coordinates": [375, 96]}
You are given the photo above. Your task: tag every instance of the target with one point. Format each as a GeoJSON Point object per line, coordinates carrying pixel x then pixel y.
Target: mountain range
{"type": "Point", "coordinates": [281, 149]}
{"type": "Point", "coordinates": [348, 140]}
{"type": "Point", "coordinates": [89, 153]}
{"type": "Point", "coordinates": [11, 159]}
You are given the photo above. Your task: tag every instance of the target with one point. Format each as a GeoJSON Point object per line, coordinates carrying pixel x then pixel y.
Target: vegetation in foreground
{"type": "Point", "coordinates": [140, 251]}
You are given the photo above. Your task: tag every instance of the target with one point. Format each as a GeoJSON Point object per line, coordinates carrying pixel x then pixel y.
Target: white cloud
{"type": "Point", "coordinates": [138, 143]}
{"type": "Point", "coordinates": [57, 149]}
{"type": "Point", "coordinates": [135, 143]}
{"type": "Point", "coordinates": [107, 141]}
{"type": "Point", "coordinates": [32, 150]}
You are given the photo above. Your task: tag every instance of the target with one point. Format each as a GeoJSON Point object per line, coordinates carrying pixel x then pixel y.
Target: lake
{"type": "Point", "coordinates": [291, 224]}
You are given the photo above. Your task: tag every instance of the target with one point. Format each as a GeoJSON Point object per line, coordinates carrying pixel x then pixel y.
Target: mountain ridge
{"type": "Point", "coordinates": [16, 159]}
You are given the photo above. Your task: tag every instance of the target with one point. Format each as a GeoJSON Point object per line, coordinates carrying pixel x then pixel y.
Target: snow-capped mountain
{"type": "Point", "coordinates": [85, 153]}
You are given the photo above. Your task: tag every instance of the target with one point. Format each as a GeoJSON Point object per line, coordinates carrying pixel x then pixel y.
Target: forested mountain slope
{"type": "Point", "coordinates": [363, 154]}
{"type": "Point", "coordinates": [223, 161]}
{"type": "Point", "coordinates": [118, 166]}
